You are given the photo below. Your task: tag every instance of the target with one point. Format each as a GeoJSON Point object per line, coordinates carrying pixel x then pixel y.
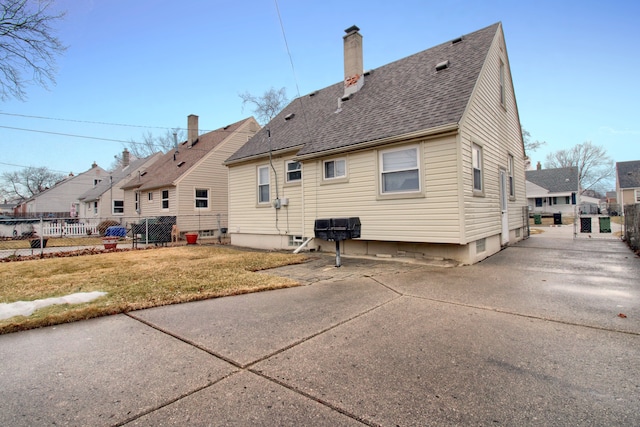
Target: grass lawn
{"type": "Point", "coordinates": [135, 279]}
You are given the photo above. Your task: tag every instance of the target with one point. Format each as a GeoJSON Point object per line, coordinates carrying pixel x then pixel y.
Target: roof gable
{"type": "Point", "coordinates": [555, 180]}
{"type": "Point", "coordinates": [166, 171]}
{"type": "Point", "coordinates": [628, 174]}
{"type": "Point", "coordinates": [399, 98]}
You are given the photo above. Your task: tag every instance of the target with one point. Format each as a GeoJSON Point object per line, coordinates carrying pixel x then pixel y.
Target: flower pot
{"type": "Point", "coordinates": [192, 238]}
{"type": "Point", "coordinates": [110, 242]}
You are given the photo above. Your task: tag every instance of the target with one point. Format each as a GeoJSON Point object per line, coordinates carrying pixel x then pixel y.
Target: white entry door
{"type": "Point", "coordinates": [504, 207]}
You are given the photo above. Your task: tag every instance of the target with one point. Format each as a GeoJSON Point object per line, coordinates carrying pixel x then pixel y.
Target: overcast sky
{"type": "Point", "coordinates": [150, 63]}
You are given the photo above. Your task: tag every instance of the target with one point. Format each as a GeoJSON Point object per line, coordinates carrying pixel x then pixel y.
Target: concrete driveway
{"type": "Point", "coordinates": [535, 335]}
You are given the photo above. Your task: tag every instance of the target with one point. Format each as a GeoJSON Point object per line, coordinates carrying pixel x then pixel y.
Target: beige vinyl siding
{"type": "Point", "coordinates": [211, 174]}
{"type": "Point", "coordinates": [431, 218]}
{"type": "Point", "coordinates": [245, 216]}
{"type": "Point", "coordinates": [496, 129]}
{"type": "Point", "coordinates": [628, 197]}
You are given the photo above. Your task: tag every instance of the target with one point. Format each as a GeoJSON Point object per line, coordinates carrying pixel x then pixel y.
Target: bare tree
{"type": "Point", "coordinates": [29, 181]}
{"type": "Point", "coordinates": [152, 144]}
{"type": "Point", "coordinates": [267, 106]}
{"type": "Point", "coordinates": [27, 46]}
{"type": "Point", "coordinates": [595, 167]}
{"type": "Point", "coordinates": [529, 145]}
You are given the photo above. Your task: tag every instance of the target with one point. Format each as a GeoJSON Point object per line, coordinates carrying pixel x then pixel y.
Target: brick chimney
{"type": "Point", "coordinates": [192, 129]}
{"type": "Point", "coordinates": [539, 166]}
{"type": "Point", "coordinates": [126, 158]}
{"type": "Point", "coordinates": [353, 65]}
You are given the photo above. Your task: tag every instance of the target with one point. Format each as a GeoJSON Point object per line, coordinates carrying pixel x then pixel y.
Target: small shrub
{"type": "Point", "coordinates": [102, 227]}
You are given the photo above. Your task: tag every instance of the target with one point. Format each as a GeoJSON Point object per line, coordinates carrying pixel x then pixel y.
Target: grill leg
{"type": "Point", "coordinates": [337, 253]}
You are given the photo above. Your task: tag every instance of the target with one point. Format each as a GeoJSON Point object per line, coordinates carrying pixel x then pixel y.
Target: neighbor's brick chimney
{"type": "Point", "coordinates": [539, 166]}
{"type": "Point", "coordinates": [353, 65]}
{"type": "Point", "coordinates": [192, 129]}
{"type": "Point", "coordinates": [126, 158]}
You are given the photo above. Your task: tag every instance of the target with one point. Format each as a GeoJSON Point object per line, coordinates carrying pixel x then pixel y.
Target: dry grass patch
{"type": "Point", "coordinates": [136, 279]}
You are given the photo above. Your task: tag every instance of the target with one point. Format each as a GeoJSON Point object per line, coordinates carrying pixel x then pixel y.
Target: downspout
{"type": "Point", "coordinates": [276, 203]}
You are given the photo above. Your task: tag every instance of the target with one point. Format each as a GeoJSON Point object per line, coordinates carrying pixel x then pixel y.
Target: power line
{"type": "Point", "coordinates": [96, 122]}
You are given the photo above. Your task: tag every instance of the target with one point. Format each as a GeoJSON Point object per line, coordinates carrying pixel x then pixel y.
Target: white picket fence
{"type": "Point", "coordinates": [63, 229]}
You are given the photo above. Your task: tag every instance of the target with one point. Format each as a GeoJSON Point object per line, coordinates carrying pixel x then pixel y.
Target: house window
{"type": "Point", "coordinates": [202, 198]}
{"type": "Point", "coordinates": [263, 184]}
{"type": "Point", "coordinates": [95, 207]}
{"type": "Point", "coordinates": [538, 202]}
{"type": "Point", "coordinates": [637, 196]}
{"type": "Point", "coordinates": [567, 200]}
{"type": "Point", "coordinates": [335, 168]}
{"type": "Point", "coordinates": [294, 171]}
{"type": "Point", "coordinates": [96, 182]}
{"type": "Point", "coordinates": [476, 153]}
{"type": "Point", "coordinates": [502, 97]}
{"type": "Point", "coordinates": [118, 207]}
{"type": "Point", "coordinates": [137, 201]}
{"type": "Point", "coordinates": [165, 199]}
{"type": "Point", "coordinates": [512, 190]}
{"type": "Point", "coordinates": [399, 170]}
{"type": "Point", "coordinates": [150, 196]}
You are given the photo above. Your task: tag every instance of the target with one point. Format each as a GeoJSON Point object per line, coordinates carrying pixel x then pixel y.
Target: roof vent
{"type": "Point", "coordinates": [180, 164]}
{"type": "Point", "coordinates": [368, 72]}
{"type": "Point", "coordinates": [194, 142]}
{"type": "Point", "coordinates": [458, 40]}
{"type": "Point", "coordinates": [226, 127]}
{"type": "Point", "coordinates": [143, 173]}
{"type": "Point", "coordinates": [346, 97]}
{"type": "Point", "coordinates": [289, 116]}
{"type": "Point", "coordinates": [314, 93]}
{"type": "Point", "coordinates": [442, 65]}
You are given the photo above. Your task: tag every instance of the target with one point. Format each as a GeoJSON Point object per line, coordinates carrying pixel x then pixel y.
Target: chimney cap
{"type": "Point", "coordinates": [352, 29]}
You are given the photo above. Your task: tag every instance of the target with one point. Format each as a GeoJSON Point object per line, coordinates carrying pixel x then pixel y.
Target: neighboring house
{"type": "Point", "coordinates": [61, 200]}
{"type": "Point", "coordinates": [427, 151]}
{"type": "Point", "coordinates": [628, 183]}
{"type": "Point", "coordinates": [553, 190]}
{"type": "Point", "coordinates": [106, 200]}
{"type": "Point", "coordinates": [612, 206]}
{"type": "Point", "coordinates": [190, 182]}
{"type": "Point", "coordinates": [7, 208]}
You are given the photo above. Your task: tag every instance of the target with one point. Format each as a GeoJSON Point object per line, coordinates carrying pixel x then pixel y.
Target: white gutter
{"type": "Point", "coordinates": [299, 248]}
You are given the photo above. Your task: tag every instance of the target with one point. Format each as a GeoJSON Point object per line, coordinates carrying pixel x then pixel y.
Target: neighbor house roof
{"type": "Point", "coordinates": [628, 174]}
{"type": "Point", "coordinates": [166, 170]}
{"type": "Point", "coordinates": [115, 177]}
{"type": "Point", "coordinates": [555, 180]}
{"type": "Point", "coordinates": [400, 98]}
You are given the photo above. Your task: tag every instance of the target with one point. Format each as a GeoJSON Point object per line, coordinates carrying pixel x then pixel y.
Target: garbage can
{"type": "Point", "coordinates": [557, 219]}
{"type": "Point", "coordinates": [605, 224]}
{"type": "Point", "coordinates": [537, 219]}
{"type": "Point", "coordinates": [585, 225]}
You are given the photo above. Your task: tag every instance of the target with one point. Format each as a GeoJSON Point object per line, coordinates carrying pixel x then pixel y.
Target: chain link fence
{"type": "Point", "coordinates": [37, 236]}
{"type": "Point", "coordinates": [632, 226]}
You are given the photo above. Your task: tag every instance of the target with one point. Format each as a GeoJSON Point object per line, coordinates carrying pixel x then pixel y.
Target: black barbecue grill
{"type": "Point", "coordinates": [337, 229]}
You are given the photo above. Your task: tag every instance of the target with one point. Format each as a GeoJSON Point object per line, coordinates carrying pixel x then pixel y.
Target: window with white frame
{"type": "Point", "coordinates": [150, 196]}
{"type": "Point", "coordinates": [118, 207]}
{"type": "Point", "coordinates": [137, 201]}
{"type": "Point", "coordinates": [335, 168]}
{"type": "Point", "coordinates": [512, 190]}
{"type": "Point", "coordinates": [637, 196]}
{"type": "Point", "coordinates": [264, 194]}
{"type": "Point", "coordinates": [294, 171]}
{"type": "Point", "coordinates": [399, 170]}
{"type": "Point", "coordinates": [95, 207]}
{"type": "Point", "coordinates": [165, 199]}
{"type": "Point", "coordinates": [202, 198]}
{"type": "Point", "coordinates": [476, 154]}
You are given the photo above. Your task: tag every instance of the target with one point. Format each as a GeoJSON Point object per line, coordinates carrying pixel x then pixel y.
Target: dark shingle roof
{"type": "Point", "coordinates": [404, 96]}
{"type": "Point", "coordinates": [165, 171]}
{"type": "Point", "coordinates": [555, 180]}
{"type": "Point", "coordinates": [628, 174]}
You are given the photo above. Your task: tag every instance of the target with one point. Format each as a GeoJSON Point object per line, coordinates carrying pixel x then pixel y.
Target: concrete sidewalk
{"type": "Point", "coordinates": [531, 336]}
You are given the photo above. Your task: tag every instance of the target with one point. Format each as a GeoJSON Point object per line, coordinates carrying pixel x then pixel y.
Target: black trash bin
{"type": "Point", "coordinates": [557, 219]}
{"type": "Point", "coordinates": [585, 225]}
